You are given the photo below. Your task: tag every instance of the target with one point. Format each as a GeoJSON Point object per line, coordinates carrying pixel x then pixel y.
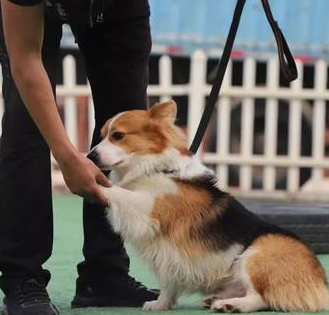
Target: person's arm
{"type": "Point", "coordinates": [23, 29]}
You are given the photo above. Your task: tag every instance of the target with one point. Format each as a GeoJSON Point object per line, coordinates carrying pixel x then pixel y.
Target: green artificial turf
{"type": "Point", "coordinates": [67, 253]}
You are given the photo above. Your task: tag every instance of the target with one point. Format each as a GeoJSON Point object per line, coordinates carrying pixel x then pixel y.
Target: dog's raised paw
{"type": "Point", "coordinates": [154, 306]}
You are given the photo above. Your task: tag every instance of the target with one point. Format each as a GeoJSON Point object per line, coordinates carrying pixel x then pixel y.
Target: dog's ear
{"type": "Point", "coordinates": [105, 129]}
{"type": "Point", "coordinates": [166, 111]}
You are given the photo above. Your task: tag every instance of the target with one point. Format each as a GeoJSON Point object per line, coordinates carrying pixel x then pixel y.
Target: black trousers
{"type": "Point", "coordinates": [116, 56]}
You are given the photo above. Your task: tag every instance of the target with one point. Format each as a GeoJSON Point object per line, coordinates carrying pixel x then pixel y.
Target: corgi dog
{"type": "Point", "coordinates": [195, 237]}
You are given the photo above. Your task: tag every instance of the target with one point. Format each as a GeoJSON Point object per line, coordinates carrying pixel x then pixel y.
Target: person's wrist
{"type": "Point", "coordinates": [65, 154]}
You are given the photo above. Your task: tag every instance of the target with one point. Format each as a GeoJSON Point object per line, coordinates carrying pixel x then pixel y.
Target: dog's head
{"type": "Point", "coordinates": [138, 133]}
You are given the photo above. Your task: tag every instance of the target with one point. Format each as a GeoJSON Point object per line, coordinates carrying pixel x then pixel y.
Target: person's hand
{"type": "Point", "coordinates": [82, 177]}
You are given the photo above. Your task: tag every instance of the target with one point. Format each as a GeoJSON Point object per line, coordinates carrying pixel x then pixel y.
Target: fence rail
{"type": "Point", "coordinates": [279, 175]}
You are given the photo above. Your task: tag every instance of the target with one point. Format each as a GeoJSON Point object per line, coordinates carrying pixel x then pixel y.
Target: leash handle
{"type": "Point", "coordinates": [287, 62]}
{"type": "Point", "coordinates": [287, 65]}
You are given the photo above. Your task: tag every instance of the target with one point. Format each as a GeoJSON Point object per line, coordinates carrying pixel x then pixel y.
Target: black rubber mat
{"type": "Point", "coordinates": [310, 221]}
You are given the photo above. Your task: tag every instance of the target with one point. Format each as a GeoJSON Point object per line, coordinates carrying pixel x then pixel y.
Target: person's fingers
{"type": "Point", "coordinates": [103, 180]}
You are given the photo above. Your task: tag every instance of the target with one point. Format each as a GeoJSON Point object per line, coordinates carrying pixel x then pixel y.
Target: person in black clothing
{"type": "Point", "coordinates": [114, 37]}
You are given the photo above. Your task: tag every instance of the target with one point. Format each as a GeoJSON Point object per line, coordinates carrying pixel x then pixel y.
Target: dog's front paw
{"type": "Point", "coordinates": [155, 306]}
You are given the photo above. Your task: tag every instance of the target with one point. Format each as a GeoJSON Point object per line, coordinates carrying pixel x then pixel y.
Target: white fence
{"type": "Point", "coordinates": [242, 163]}
{"type": "Point", "coordinates": [295, 96]}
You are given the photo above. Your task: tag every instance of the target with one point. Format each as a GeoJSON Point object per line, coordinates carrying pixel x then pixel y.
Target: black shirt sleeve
{"type": "Point", "coordinates": [26, 2]}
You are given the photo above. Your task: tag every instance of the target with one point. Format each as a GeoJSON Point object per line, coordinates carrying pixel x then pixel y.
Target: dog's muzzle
{"type": "Point", "coordinates": [94, 156]}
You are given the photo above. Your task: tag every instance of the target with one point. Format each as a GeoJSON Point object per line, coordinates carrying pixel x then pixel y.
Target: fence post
{"type": "Point", "coordinates": [91, 120]}
{"type": "Point", "coordinates": [165, 76]}
{"type": "Point", "coordinates": [198, 84]}
{"type": "Point", "coordinates": [70, 108]}
{"type": "Point", "coordinates": [319, 119]}
{"type": "Point", "coordinates": [247, 120]}
{"type": "Point", "coordinates": [271, 125]}
{"type": "Point", "coordinates": [223, 129]}
{"type": "Point", "coordinates": [223, 139]}
{"type": "Point", "coordinates": [294, 139]}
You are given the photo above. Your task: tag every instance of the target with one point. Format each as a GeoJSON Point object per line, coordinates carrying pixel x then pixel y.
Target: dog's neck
{"type": "Point", "coordinates": [170, 163]}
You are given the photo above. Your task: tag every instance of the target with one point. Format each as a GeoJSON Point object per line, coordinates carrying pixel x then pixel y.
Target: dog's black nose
{"type": "Point", "coordinates": [93, 155]}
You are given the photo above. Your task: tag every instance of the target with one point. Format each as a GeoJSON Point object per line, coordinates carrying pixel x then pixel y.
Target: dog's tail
{"type": "Point", "coordinates": [287, 275]}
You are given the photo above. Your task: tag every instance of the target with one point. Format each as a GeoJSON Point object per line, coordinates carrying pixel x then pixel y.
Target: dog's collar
{"type": "Point", "coordinates": [167, 171]}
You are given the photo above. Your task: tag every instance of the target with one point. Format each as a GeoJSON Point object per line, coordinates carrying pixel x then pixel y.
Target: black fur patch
{"type": "Point", "coordinates": [238, 225]}
{"type": "Point", "coordinates": [233, 223]}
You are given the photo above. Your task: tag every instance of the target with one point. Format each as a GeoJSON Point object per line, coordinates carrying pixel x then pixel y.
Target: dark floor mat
{"type": "Point", "coordinates": [310, 221]}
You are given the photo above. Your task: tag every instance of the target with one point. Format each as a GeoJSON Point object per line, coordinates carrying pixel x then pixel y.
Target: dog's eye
{"type": "Point", "coordinates": [118, 135]}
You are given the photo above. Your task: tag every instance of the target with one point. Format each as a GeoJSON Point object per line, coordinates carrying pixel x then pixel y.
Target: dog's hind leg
{"type": "Point", "coordinates": [232, 289]}
{"type": "Point", "coordinates": [165, 301]}
{"type": "Point", "coordinates": [249, 303]}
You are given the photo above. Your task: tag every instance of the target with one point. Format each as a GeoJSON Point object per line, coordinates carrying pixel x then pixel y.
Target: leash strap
{"type": "Point", "coordinates": [287, 65]}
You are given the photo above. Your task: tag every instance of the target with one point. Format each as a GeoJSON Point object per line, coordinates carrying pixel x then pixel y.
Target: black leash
{"type": "Point", "coordinates": [287, 65]}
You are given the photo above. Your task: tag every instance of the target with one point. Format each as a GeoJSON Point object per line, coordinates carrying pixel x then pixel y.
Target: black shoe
{"type": "Point", "coordinates": [27, 296]}
{"type": "Point", "coordinates": [112, 291]}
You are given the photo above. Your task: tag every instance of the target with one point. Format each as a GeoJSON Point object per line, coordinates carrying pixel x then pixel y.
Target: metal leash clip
{"type": "Point", "coordinates": [100, 18]}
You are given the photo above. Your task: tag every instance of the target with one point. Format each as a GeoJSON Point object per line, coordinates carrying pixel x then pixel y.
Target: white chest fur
{"type": "Point", "coordinates": [203, 274]}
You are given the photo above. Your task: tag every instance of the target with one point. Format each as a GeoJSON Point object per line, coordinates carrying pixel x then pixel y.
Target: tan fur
{"type": "Point", "coordinates": [179, 222]}
{"type": "Point", "coordinates": [105, 129]}
{"type": "Point", "coordinates": [287, 275]}
{"type": "Point", "coordinates": [147, 131]}
{"type": "Point", "coordinates": [165, 111]}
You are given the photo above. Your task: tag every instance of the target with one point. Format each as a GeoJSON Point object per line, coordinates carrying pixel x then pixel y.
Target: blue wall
{"type": "Point", "coordinates": [193, 24]}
